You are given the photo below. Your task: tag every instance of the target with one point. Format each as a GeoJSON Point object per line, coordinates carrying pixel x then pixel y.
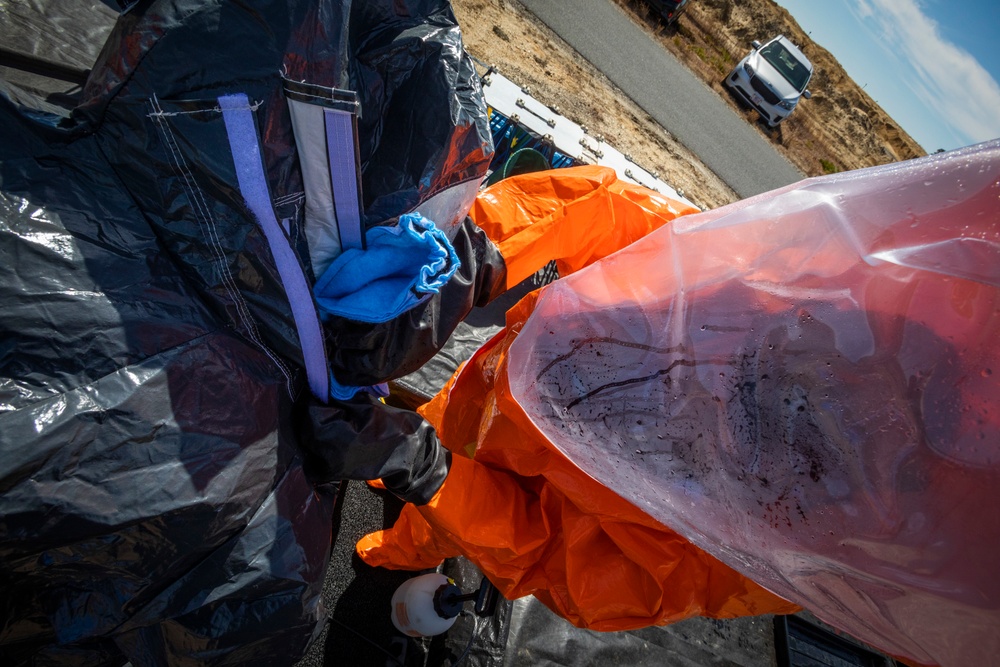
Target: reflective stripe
{"type": "Point", "coordinates": [245, 148]}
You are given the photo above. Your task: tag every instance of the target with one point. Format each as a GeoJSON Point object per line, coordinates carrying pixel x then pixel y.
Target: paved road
{"type": "Point", "coordinates": [668, 92]}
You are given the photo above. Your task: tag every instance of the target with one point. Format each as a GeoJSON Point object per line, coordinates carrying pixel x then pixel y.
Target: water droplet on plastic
{"type": "Point", "coordinates": [704, 326]}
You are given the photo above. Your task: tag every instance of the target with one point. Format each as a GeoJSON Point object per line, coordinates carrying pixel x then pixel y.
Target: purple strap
{"type": "Point", "coordinates": [245, 148]}
{"type": "Point", "coordinates": [341, 149]}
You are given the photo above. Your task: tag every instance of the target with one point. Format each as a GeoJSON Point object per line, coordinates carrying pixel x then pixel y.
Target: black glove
{"type": "Point", "coordinates": [365, 439]}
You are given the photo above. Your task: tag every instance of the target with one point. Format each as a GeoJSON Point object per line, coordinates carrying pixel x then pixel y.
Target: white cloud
{"type": "Point", "coordinates": [864, 9]}
{"type": "Point", "coordinates": [945, 77]}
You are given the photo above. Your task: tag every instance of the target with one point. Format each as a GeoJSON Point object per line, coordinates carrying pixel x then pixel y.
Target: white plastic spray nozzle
{"type": "Point", "coordinates": [427, 605]}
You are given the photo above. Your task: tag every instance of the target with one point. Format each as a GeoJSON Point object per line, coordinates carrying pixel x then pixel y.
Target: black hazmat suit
{"type": "Point", "coordinates": [164, 470]}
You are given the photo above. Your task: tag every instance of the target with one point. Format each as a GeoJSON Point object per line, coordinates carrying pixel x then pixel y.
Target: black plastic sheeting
{"type": "Point", "coordinates": [49, 46]}
{"type": "Point", "coordinates": [539, 637]}
{"type": "Point", "coordinates": [155, 507]}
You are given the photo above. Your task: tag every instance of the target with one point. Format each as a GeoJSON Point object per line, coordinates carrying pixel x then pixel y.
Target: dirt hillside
{"type": "Point", "coordinates": [840, 128]}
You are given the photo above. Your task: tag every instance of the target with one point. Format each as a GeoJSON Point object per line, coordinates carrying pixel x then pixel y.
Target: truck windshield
{"type": "Point", "coordinates": [788, 66]}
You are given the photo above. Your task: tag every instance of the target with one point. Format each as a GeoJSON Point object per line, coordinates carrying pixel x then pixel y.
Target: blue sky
{"type": "Point", "coordinates": [933, 65]}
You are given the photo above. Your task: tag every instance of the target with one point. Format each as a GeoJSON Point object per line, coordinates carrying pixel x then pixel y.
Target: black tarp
{"type": "Point", "coordinates": [155, 506]}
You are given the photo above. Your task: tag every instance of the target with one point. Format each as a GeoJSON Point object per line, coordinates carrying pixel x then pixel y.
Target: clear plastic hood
{"type": "Point", "coordinates": [805, 385]}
